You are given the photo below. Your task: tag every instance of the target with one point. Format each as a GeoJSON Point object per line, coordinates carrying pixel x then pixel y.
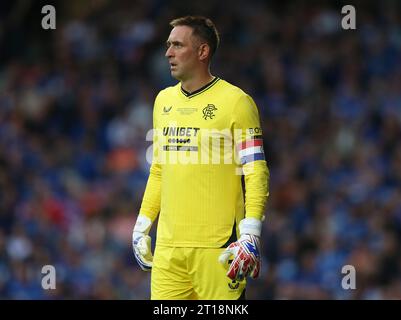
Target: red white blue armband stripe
{"type": "Point", "coordinates": [251, 150]}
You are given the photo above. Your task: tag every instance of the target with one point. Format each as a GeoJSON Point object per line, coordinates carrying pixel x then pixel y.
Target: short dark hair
{"type": "Point", "coordinates": [202, 27]}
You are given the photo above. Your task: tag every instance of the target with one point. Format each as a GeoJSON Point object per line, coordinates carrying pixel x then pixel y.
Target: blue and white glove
{"type": "Point", "coordinates": [245, 251]}
{"type": "Point", "coordinates": [141, 242]}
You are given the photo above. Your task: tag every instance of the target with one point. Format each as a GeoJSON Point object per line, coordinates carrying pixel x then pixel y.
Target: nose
{"type": "Point", "coordinates": [169, 52]}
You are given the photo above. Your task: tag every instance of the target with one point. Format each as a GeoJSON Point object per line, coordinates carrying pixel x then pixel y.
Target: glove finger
{"type": "Point", "coordinates": [232, 272]}
{"type": "Point", "coordinates": [255, 270]}
{"type": "Point", "coordinates": [225, 255]}
{"type": "Point", "coordinates": [144, 245]}
{"type": "Point", "coordinates": [235, 272]}
{"type": "Point", "coordinates": [246, 268]}
{"type": "Point", "coordinates": [144, 263]}
{"type": "Point", "coordinates": [143, 253]}
{"type": "Point", "coordinates": [241, 273]}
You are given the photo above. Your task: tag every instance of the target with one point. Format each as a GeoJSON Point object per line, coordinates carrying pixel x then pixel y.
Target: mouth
{"type": "Point", "coordinates": [173, 65]}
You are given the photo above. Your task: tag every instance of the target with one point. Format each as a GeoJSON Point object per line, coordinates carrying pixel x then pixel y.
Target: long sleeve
{"type": "Point", "coordinates": [151, 201]}
{"type": "Point", "coordinates": [249, 146]}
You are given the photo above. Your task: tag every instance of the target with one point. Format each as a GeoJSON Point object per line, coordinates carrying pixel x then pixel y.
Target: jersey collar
{"type": "Point", "coordinates": [200, 90]}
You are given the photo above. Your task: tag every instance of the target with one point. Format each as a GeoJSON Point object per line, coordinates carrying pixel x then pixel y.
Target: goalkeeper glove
{"type": "Point", "coordinates": [246, 251]}
{"type": "Point", "coordinates": [141, 242]}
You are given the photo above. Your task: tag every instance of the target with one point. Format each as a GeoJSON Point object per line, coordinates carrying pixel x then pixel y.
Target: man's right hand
{"type": "Point", "coordinates": [141, 243]}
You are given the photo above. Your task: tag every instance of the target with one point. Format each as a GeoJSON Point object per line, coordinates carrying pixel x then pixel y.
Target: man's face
{"type": "Point", "coordinates": [182, 52]}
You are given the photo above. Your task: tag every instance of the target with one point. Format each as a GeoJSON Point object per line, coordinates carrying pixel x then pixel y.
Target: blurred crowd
{"type": "Point", "coordinates": [76, 106]}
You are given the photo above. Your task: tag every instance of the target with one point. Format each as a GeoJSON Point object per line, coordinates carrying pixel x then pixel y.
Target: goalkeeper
{"type": "Point", "coordinates": [209, 212]}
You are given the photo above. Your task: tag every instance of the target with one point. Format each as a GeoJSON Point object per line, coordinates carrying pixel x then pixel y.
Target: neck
{"type": "Point", "coordinates": [196, 82]}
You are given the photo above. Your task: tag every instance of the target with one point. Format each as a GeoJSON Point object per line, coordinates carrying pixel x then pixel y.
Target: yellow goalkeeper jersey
{"type": "Point", "coordinates": [204, 142]}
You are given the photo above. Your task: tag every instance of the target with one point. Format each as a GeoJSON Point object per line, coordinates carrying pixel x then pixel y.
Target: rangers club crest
{"type": "Point", "coordinates": [208, 111]}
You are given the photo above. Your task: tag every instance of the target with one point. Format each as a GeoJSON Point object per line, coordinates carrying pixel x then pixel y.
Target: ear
{"type": "Point", "coordinates": [203, 51]}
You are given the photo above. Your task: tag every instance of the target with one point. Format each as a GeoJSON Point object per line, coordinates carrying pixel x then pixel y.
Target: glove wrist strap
{"type": "Point", "coordinates": [250, 226]}
{"type": "Point", "coordinates": [143, 224]}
